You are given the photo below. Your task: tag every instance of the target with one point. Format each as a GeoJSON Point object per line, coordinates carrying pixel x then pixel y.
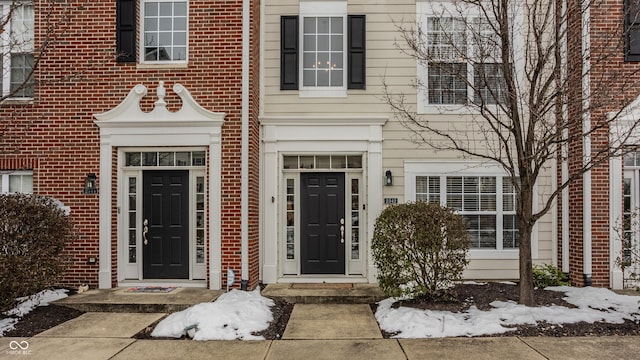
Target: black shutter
{"type": "Point", "coordinates": [289, 53]}
{"type": "Point", "coordinates": [356, 60]}
{"type": "Point", "coordinates": [632, 30]}
{"type": "Point", "coordinates": [126, 30]}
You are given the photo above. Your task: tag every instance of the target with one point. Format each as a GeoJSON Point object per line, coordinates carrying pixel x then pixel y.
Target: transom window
{"type": "Point", "coordinates": [463, 62]}
{"type": "Point", "coordinates": [165, 158]}
{"type": "Point", "coordinates": [486, 202]}
{"type": "Point", "coordinates": [322, 162]}
{"type": "Point", "coordinates": [165, 31]}
{"type": "Point", "coordinates": [17, 48]}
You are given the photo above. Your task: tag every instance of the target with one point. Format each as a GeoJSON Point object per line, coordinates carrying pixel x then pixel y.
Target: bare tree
{"type": "Point", "coordinates": [29, 30]}
{"type": "Point", "coordinates": [507, 62]}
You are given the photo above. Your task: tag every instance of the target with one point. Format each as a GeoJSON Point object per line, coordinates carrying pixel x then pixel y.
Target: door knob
{"type": "Point", "coordinates": [145, 230]}
{"type": "Point", "coordinates": [342, 231]}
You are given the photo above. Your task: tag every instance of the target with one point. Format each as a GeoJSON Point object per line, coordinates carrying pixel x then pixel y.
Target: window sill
{"type": "Point", "coordinates": [323, 93]}
{"type": "Point", "coordinates": [170, 65]}
{"type": "Point", "coordinates": [17, 101]}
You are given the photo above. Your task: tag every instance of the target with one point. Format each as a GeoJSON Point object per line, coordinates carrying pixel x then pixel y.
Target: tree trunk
{"type": "Point", "coordinates": [526, 271]}
{"type": "Point", "coordinates": [525, 228]}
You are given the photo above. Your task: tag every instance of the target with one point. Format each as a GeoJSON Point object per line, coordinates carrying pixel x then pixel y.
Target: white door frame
{"type": "Point", "coordinates": [127, 125]}
{"type": "Point", "coordinates": [316, 135]}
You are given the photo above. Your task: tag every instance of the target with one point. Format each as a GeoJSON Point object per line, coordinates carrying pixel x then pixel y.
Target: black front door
{"type": "Point", "coordinates": [322, 228]}
{"type": "Point", "coordinates": [165, 246]}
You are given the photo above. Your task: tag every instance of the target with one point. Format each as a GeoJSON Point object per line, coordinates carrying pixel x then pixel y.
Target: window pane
{"type": "Point", "coordinates": [165, 158]}
{"type": "Point", "coordinates": [446, 83]}
{"type": "Point", "coordinates": [165, 31]}
{"type": "Point", "coordinates": [183, 158]}
{"type": "Point", "coordinates": [21, 78]}
{"type": "Point", "coordinates": [323, 162]}
{"type": "Point", "coordinates": [198, 158]}
{"type": "Point", "coordinates": [290, 162]}
{"type": "Point", "coordinates": [307, 162]}
{"type": "Point", "coordinates": [488, 84]}
{"type": "Point", "coordinates": [323, 53]}
{"type": "Point", "coordinates": [149, 159]}
{"type": "Point", "coordinates": [354, 162]}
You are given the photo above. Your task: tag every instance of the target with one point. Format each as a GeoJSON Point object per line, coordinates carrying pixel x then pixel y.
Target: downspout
{"type": "Point", "coordinates": [244, 149]}
{"type": "Point", "coordinates": [586, 144]}
{"type": "Point", "coordinates": [565, 145]}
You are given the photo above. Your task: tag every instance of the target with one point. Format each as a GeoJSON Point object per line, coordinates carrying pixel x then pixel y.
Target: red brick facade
{"type": "Point", "coordinates": [610, 88]}
{"type": "Point", "coordinates": [78, 76]}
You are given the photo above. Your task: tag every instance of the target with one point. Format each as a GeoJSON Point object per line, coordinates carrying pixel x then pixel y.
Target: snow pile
{"type": "Point", "coordinates": [27, 304]}
{"type": "Point", "coordinates": [234, 315]}
{"type": "Point", "coordinates": [593, 304]}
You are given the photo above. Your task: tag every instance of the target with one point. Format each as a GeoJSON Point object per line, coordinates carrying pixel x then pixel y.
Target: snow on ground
{"type": "Point", "coordinates": [27, 304]}
{"type": "Point", "coordinates": [593, 304]}
{"type": "Point", "coordinates": [234, 315]}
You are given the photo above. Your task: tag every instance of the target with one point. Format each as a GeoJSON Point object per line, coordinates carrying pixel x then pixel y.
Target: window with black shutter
{"type": "Point", "coordinates": [632, 30]}
{"type": "Point", "coordinates": [126, 30]}
{"type": "Point", "coordinates": [322, 62]}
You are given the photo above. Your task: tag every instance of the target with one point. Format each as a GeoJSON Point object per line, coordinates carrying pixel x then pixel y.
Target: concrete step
{"type": "Point", "coordinates": [325, 293]}
{"type": "Point", "coordinates": [123, 300]}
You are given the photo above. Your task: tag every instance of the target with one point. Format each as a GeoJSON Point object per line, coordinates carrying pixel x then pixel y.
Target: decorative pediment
{"type": "Point", "coordinates": [129, 111]}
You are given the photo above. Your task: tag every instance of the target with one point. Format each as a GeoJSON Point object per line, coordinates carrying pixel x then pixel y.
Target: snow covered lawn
{"type": "Point", "coordinates": [593, 304]}
{"type": "Point", "coordinates": [27, 304]}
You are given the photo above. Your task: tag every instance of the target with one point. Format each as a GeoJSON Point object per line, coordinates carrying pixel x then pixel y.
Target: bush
{"type": "Point", "coordinates": [548, 275]}
{"type": "Point", "coordinates": [420, 249]}
{"type": "Point", "coordinates": [33, 234]}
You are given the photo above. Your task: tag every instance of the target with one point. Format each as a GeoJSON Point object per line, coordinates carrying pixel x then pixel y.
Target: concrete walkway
{"type": "Point", "coordinates": [332, 331]}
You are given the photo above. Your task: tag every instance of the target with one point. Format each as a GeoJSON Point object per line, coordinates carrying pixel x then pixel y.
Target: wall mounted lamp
{"type": "Point", "coordinates": [388, 178]}
{"type": "Point", "coordinates": [90, 186]}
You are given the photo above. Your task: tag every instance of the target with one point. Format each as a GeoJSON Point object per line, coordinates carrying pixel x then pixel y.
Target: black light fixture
{"type": "Point", "coordinates": [388, 178]}
{"type": "Point", "coordinates": [90, 186]}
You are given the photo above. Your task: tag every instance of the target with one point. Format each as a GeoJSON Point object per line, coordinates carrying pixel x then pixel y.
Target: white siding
{"type": "Point", "coordinates": [384, 61]}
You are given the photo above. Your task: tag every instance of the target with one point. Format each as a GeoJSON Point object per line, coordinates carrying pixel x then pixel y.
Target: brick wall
{"type": "Point", "coordinates": [79, 77]}
{"type": "Point", "coordinates": [613, 85]}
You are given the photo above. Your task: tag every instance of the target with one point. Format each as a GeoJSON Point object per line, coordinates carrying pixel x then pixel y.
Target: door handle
{"type": "Point", "coordinates": [145, 230]}
{"type": "Point", "coordinates": [342, 231]}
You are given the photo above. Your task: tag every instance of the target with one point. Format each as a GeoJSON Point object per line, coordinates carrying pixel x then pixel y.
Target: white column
{"type": "Point", "coordinates": [374, 194]}
{"type": "Point", "coordinates": [215, 251]}
{"type": "Point", "coordinates": [104, 275]}
{"type": "Point", "coordinates": [270, 200]}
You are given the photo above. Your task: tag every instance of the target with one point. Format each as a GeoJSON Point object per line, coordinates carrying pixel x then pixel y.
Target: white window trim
{"type": "Point", "coordinates": [412, 169]}
{"type": "Point", "coordinates": [166, 63]}
{"type": "Point", "coordinates": [427, 9]}
{"type": "Point", "coordinates": [5, 65]}
{"type": "Point", "coordinates": [316, 9]}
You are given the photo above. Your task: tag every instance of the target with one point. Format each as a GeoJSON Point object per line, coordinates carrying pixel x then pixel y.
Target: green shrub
{"type": "Point", "coordinates": [548, 275]}
{"type": "Point", "coordinates": [33, 235]}
{"type": "Point", "coordinates": [419, 249]}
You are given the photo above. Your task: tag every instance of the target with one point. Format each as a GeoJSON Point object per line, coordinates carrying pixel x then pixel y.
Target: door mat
{"type": "Point", "coordinates": [321, 286]}
{"type": "Point", "coordinates": [152, 289]}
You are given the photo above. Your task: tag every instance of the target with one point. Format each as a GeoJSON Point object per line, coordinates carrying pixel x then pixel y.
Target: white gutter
{"type": "Point", "coordinates": [565, 145]}
{"type": "Point", "coordinates": [244, 149]}
{"type": "Point", "coordinates": [586, 145]}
